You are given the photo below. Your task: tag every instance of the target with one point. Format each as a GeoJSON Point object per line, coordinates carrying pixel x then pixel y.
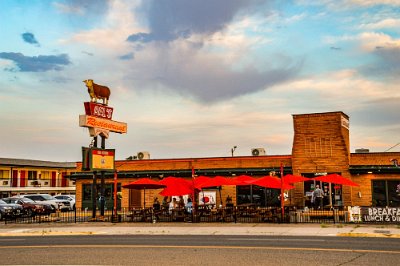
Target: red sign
{"type": "Point", "coordinates": [96, 122]}
{"type": "Point", "coordinates": [98, 110]}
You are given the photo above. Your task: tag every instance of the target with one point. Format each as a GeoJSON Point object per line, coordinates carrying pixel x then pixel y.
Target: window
{"type": "Point", "coordinates": [259, 196]}
{"type": "Point", "coordinates": [5, 174]}
{"type": "Point", "coordinates": [108, 193]}
{"type": "Point", "coordinates": [32, 175]}
{"type": "Point", "coordinates": [386, 193]}
{"type": "Point", "coordinates": [45, 175]}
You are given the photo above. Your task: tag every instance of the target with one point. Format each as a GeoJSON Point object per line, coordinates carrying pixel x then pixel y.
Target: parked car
{"type": "Point", "coordinates": [10, 210]}
{"type": "Point", "coordinates": [31, 208]}
{"type": "Point", "coordinates": [70, 198]}
{"type": "Point", "coordinates": [62, 205]}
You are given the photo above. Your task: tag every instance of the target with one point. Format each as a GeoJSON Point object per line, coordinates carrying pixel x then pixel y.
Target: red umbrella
{"type": "Point", "coordinates": [215, 182]}
{"type": "Point", "coordinates": [242, 180]}
{"type": "Point", "coordinates": [176, 186]}
{"type": "Point", "coordinates": [200, 179]}
{"type": "Point", "coordinates": [290, 179]}
{"type": "Point", "coordinates": [270, 182]}
{"type": "Point", "coordinates": [336, 179]}
{"type": "Point", "coordinates": [144, 183]}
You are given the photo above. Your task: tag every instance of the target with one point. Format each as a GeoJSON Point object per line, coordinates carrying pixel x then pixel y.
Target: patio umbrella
{"type": "Point", "coordinates": [336, 179]}
{"type": "Point", "coordinates": [217, 181]}
{"type": "Point", "coordinates": [290, 179]}
{"type": "Point", "coordinates": [144, 183]}
{"type": "Point", "coordinates": [200, 179]}
{"type": "Point", "coordinates": [242, 180]}
{"type": "Point", "coordinates": [270, 182]}
{"type": "Point", "coordinates": [176, 186]}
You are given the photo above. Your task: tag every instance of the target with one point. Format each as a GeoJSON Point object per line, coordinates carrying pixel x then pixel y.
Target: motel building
{"type": "Point", "coordinates": [320, 146]}
{"type": "Point", "coordinates": [20, 176]}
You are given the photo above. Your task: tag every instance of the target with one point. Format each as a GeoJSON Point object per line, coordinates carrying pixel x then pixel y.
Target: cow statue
{"type": "Point", "coordinates": [97, 91]}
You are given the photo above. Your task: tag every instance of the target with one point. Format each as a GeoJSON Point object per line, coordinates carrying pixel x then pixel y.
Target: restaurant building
{"type": "Point", "coordinates": [321, 145]}
{"type": "Point", "coordinates": [21, 176]}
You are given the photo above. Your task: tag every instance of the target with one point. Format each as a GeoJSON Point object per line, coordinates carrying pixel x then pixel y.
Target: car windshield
{"type": "Point", "coordinates": [10, 200]}
{"type": "Point", "coordinates": [25, 200]}
{"type": "Point", "coordinates": [47, 197]}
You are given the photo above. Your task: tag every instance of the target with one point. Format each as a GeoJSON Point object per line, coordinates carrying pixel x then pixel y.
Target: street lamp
{"type": "Point", "coordinates": [233, 150]}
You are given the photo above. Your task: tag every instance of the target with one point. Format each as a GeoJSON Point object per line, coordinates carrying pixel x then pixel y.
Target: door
{"type": "Point", "coordinates": [53, 179]}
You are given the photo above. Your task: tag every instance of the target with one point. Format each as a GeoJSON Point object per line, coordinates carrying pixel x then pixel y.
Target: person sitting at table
{"type": "Point", "coordinates": [156, 205]}
{"type": "Point", "coordinates": [173, 205]}
{"type": "Point", "coordinates": [181, 202]}
{"type": "Point", "coordinates": [189, 206]}
{"type": "Point", "coordinates": [165, 203]}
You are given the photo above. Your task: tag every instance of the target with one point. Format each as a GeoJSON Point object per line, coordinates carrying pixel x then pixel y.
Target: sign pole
{"type": "Point", "coordinates": [94, 195]}
{"type": "Point", "coordinates": [94, 186]}
{"type": "Point", "coordinates": [102, 199]}
{"type": "Point", "coordinates": [98, 119]}
{"type": "Point", "coordinates": [194, 200]}
{"type": "Point", "coordinates": [282, 194]}
{"type": "Point", "coordinates": [115, 193]}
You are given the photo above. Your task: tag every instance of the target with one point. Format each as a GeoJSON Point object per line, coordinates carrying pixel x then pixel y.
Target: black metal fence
{"type": "Point", "coordinates": [237, 214]}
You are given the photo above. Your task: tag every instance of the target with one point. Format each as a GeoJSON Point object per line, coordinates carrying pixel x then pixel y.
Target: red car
{"type": "Point", "coordinates": [31, 208]}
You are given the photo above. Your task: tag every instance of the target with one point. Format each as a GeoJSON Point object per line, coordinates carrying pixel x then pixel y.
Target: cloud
{"type": "Point", "coordinates": [388, 23]}
{"type": "Point", "coordinates": [127, 56]}
{"type": "Point", "coordinates": [29, 38]}
{"type": "Point", "coordinates": [39, 63]}
{"type": "Point", "coordinates": [368, 3]}
{"type": "Point", "coordinates": [204, 76]}
{"type": "Point", "coordinates": [169, 20]}
{"type": "Point", "coordinates": [203, 50]}
{"type": "Point", "coordinates": [349, 4]}
{"type": "Point", "coordinates": [83, 7]}
{"type": "Point", "coordinates": [386, 52]}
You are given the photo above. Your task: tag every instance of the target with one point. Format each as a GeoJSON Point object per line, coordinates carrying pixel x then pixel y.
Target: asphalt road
{"type": "Point", "coordinates": [198, 250]}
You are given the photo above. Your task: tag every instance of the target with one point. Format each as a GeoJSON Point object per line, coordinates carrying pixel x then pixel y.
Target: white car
{"type": "Point", "coordinates": [70, 198]}
{"type": "Point", "coordinates": [62, 205]}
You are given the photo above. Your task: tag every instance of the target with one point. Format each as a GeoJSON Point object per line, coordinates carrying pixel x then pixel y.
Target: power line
{"type": "Point", "coordinates": [392, 147]}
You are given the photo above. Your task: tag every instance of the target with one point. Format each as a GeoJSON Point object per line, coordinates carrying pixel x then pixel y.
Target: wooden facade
{"type": "Point", "coordinates": [321, 145]}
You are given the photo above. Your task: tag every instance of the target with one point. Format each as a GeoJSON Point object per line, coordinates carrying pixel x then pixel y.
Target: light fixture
{"type": "Point", "coordinates": [233, 150]}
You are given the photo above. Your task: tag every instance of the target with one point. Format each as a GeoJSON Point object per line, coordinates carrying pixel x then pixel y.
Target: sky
{"type": "Point", "coordinates": [196, 78]}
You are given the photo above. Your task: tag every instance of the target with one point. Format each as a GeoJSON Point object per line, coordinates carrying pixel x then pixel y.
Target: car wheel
{"type": "Point", "coordinates": [30, 213]}
{"type": "Point", "coordinates": [1, 216]}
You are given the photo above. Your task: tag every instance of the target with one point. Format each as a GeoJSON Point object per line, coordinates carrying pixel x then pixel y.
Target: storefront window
{"type": "Point", "coordinates": [386, 193]}
{"type": "Point", "coordinates": [335, 192]}
{"type": "Point", "coordinates": [259, 196]}
{"type": "Point", "coordinates": [108, 194]}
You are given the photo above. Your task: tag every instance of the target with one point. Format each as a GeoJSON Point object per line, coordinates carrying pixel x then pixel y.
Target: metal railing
{"type": "Point", "coordinates": [236, 214]}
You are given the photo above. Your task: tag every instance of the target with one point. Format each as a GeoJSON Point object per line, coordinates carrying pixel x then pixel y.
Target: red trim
{"type": "Point", "coordinates": [53, 179]}
{"type": "Point", "coordinates": [22, 179]}
{"type": "Point", "coordinates": [14, 182]}
{"type": "Point", "coordinates": [63, 179]}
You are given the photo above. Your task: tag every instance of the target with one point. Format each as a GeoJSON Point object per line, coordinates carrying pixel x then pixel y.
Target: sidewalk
{"type": "Point", "coordinates": [100, 228]}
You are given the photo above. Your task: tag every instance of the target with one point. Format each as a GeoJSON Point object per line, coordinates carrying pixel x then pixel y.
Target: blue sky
{"type": "Point", "coordinates": [195, 78]}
